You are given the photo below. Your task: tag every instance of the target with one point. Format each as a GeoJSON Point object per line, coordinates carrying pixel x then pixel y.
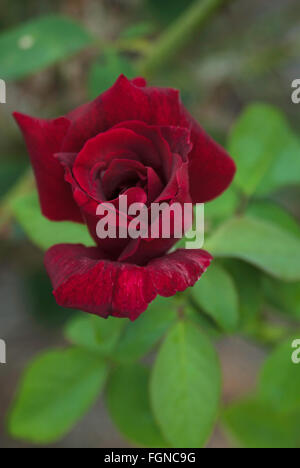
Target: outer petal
{"type": "Point", "coordinates": [125, 100]}
{"type": "Point", "coordinates": [178, 271]}
{"type": "Point", "coordinates": [211, 168]}
{"type": "Point", "coordinates": [83, 279]}
{"type": "Point", "coordinates": [43, 139]}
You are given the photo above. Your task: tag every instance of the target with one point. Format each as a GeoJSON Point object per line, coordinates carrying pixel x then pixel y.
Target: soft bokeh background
{"type": "Point", "coordinates": [248, 52]}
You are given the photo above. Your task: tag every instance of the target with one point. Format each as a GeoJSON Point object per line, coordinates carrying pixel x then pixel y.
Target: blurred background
{"type": "Point", "coordinates": [248, 51]}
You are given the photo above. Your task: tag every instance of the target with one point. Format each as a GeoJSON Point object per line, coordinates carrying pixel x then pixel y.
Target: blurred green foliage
{"type": "Point", "coordinates": [269, 418]}
{"type": "Point", "coordinates": [185, 386]}
{"type": "Point", "coordinates": [38, 44]}
{"type": "Point", "coordinates": [58, 388]}
{"type": "Point", "coordinates": [10, 172]}
{"type": "Point", "coordinates": [128, 401]}
{"type": "Point", "coordinates": [43, 232]}
{"type": "Point", "coordinates": [168, 10]}
{"type": "Point", "coordinates": [106, 71]}
{"type": "Point", "coordinates": [222, 307]}
{"type": "Point", "coordinates": [246, 55]}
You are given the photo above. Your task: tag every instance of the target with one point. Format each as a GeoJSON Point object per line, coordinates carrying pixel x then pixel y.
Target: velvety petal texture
{"type": "Point", "coordinates": [132, 159]}
{"type": "Point", "coordinates": [44, 138]}
{"type": "Point", "coordinates": [137, 143]}
{"type": "Point", "coordinates": [84, 278]}
{"type": "Point", "coordinates": [211, 169]}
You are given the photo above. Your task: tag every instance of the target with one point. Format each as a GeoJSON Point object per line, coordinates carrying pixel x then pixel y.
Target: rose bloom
{"type": "Point", "coordinates": [132, 140]}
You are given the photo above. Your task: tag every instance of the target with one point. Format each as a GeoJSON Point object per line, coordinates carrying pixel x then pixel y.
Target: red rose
{"type": "Point", "coordinates": [132, 140]}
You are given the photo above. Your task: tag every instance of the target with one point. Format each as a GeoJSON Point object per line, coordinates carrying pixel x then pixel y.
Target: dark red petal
{"type": "Point", "coordinates": [44, 139]}
{"type": "Point", "coordinates": [88, 206]}
{"type": "Point", "coordinates": [141, 251]}
{"type": "Point", "coordinates": [113, 246]}
{"type": "Point", "coordinates": [179, 140]}
{"type": "Point", "coordinates": [153, 105]}
{"type": "Point", "coordinates": [66, 159]}
{"type": "Point", "coordinates": [122, 172]}
{"type": "Point", "coordinates": [125, 100]}
{"type": "Point", "coordinates": [83, 279]}
{"type": "Point", "coordinates": [154, 185]}
{"type": "Point", "coordinates": [133, 291]}
{"type": "Point", "coordinates": [152, 133]}
{"type": "Point", "coordinates": [178, 271]}
{"type": "Point", "coordinates": [139, 81]}
{"type": "Point", "coordinates": [211, 169]}
{"type": "Point", "coordinates": [115, 144]}
{"type": "Point", "coordinates": [177, 188]}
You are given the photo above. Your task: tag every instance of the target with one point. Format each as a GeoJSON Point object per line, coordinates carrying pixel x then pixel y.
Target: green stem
{"type": "Point", "coordinates": [179, 34]}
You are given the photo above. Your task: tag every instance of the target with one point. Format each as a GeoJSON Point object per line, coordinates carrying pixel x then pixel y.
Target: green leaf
{"type": "Point", "coordinates": [283, 296]}
{"type": "Point", "coordinates": [185, 386]}
{"type": "Point", "coordinates": [57, 389]}
{"type": "Point", "coordinates": [252, 423]}
{"type": "Point", "coordinates": [249, 285]}
{"type": "Point", "coordinates": [129, 405]}
{"type": "Point", "coordinates": [95, 333]}
{"type": "Point", "coordinates": [223, 207]}
{"type": "Point", "coordinates": [216, 294]}
{"type": "Point", "coordinates": [40, 302]}
{"type": "Point", "coordinates": [285, 170]}
{"type": "Point", "coordinates": [270, 211]}
{"type": "Point", "coordinates": [141, 336]}
{"type": "Point", "coordinates": [260, 243]}
{"type": "Point", "coordinates": [45, 233]}
{"type": "Point", "coordinates": [203, 321]}
{"type": "Point", "coordinates": [104, 73]}
{"type": "Point", "coordinates": [38, 44]}
{"type": "Point", "coordinates": [279, 382]}
{"type": "Point", "coordinates": [265, 150]}
{"type": "Point", "coordinates": [10, 172]}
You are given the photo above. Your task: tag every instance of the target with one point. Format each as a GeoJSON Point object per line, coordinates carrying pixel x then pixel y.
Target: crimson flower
{"type": "Point", "coordinates": [132, 140]}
